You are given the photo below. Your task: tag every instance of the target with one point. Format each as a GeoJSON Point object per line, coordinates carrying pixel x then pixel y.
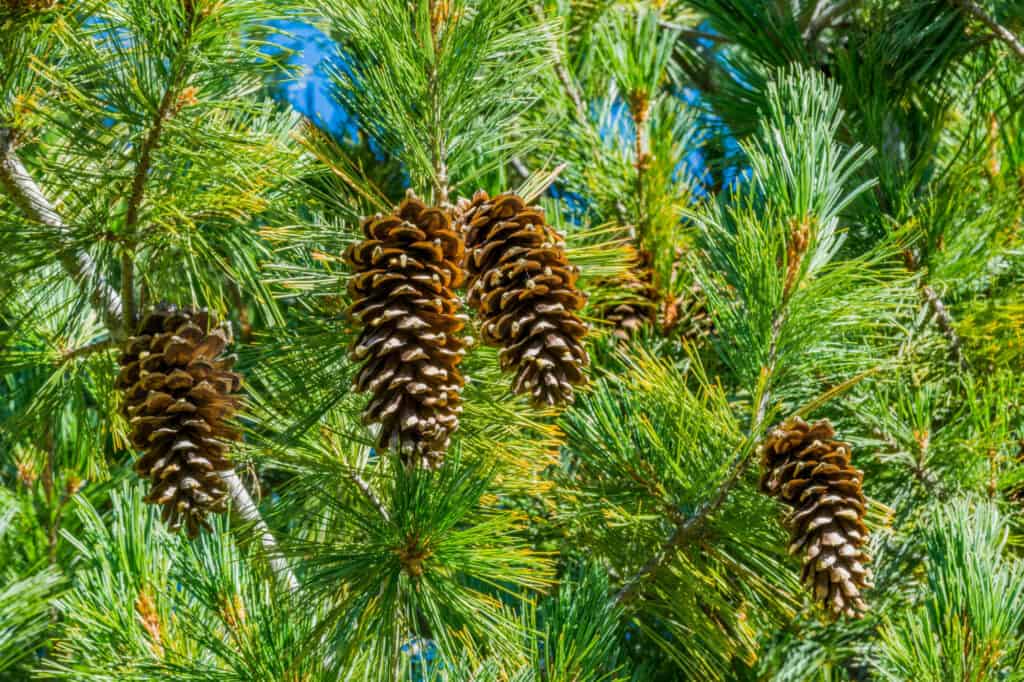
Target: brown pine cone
{"type": "Point", "coordinates": [405, 274]}
{"type": "Point", "coordinates": [179, 393]}
{"type": "Point", "coordinates": [803, 467]}
{"type": "Point", "coordinates": [524, 288]}
{"type": "Point", "coordinates": [688, 316]}
{"type": "Point", "coordinates": [630, 316]}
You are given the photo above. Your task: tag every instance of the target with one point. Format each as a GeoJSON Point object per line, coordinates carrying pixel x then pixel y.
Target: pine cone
{"type": "Point", "coordinates": [803, 467]}
{"type": "Point", "coordinates": [524, 288]}
{"type": "Point", "coordinates": [406, 270]}
{"type": "Point", "coordinates": [688, 316]}
{"type": "Point", "coordinates": [629, 317]}
{"type": "Point", "coordinates": [179, 393]}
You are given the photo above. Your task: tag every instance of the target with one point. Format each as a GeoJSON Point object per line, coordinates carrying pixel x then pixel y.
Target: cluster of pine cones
{"type": "Point", "coordinates": [406, 272]}
{"type": "Point", "coordinates": [180, 393]}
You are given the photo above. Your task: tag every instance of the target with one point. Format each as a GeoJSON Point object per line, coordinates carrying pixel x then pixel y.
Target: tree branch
{"type": "Point", "coordinates": [245, 508]}
{"type": "Point", "coordinates": [558, 63]}
{"type": "Point", "coordinates": [685, 528]}
{"type": "Point", "coordinates": [946, 325]}
{"type": "Point", "coordinates": [519, 167]}
{"type": "Point", "coordinates": [439, 146]}
{"type": "Point", "coordinates": [87, 350]}
{"type": "Point", "coordinates": [138, 192]}
{"type": "Point", "coordinates": [822, 19]}
{"type": "Point", "coordinates": [998, 30]}
{"type": "Point", "coordinates": [82, 269]}
{"type": "Point", "coordinates": [78, 264]}
{"type": "Point", "coordinates": [370, 495]}
{"type": "Point", "coordinates": [943, 318]}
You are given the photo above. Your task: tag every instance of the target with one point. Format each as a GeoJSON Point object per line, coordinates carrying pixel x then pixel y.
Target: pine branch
{"type": "Point", "coordinates": [942, 316]}
{"type": "Point", "coordinates": [688, 526]}
{"type": "Point", "coordinates": [79, 265]}
{"type": "Point", "coordinates": [998, 30]}
{"type": "Point", "coordinates": [945, 322]}
{"type": "Point", "coordinates": [82, 269]}
{"type": "Point", "coordinates": [138, 191]}
{"type": "Point", "coordinates": [558, 63]}
{"type": "Point", "coordinates": [247, 511]}
{"type": "Point", "coordinates": [134, 203]}
{"type": "Point", "coordinates": [88, 349]}
{"type": "Point", "coordinates": [822, 19]}
{"type": "Point", "coordinates": [519, 167]}
{"type": "Point", "coordinates": [364, 485]}
{"type": "Point", "coordinates": [639, 109]}
{"type": "Point", "coordinates": [370, 495]}
{"type": "Point", "coordinates": [438, 146]}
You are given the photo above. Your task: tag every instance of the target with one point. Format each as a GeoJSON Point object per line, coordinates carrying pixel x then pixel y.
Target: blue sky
{"type": "Point", "coordinates": [310, 92]}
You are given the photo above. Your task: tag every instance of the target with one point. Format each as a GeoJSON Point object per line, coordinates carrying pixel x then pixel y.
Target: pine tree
{"type": "Point", "coordinates": [601, 340]}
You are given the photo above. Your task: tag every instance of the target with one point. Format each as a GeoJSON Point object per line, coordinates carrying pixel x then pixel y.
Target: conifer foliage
{"type": "Point", "coordinates": [582, 340]}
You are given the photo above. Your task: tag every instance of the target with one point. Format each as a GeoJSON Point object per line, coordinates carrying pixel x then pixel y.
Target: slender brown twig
{"type": "Point", "coordinates": [88, 349]}
{"type": "Point", "coordinates": [998, 30]}
{"type": "Point", "coordinates": [138, 191]}
{"type": "Point", "coordinates": [558, 63]}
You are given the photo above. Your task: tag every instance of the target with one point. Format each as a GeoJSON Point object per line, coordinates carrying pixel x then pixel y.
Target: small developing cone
{"type": "Point", "coordinates": [687, 316]}
{"type": "Point", "coordinates": [524, 288]}
{"type": "Point", "coordinates": [179, 393]}
{"type": "Point", "coordinates": [629, 317]}
{"type": "Point", "coordinates": [803, 467]}
{"type": "Point", "coordinates": [405, 273]}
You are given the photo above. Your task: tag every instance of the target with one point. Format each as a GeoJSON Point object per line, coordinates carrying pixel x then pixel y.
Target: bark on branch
{"type": "Point", "coordinates": [246, 510]}
{"type": "Point", "coordinates": [28, 196]}
{"type": "Point", "coordinates": [79, 265]}
{"type": "Point", "coordinates": [998, 30]}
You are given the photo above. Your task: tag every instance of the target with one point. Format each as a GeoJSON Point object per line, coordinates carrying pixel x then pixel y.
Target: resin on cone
{"type": "Point", "coordinates": [406, 270]}
{"type": "Point", "coordinates": [524, 288]}
{"type": "Point", "coordinates": [805, 468]}
{"type": "Point", "coordinates": [179, 395]}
